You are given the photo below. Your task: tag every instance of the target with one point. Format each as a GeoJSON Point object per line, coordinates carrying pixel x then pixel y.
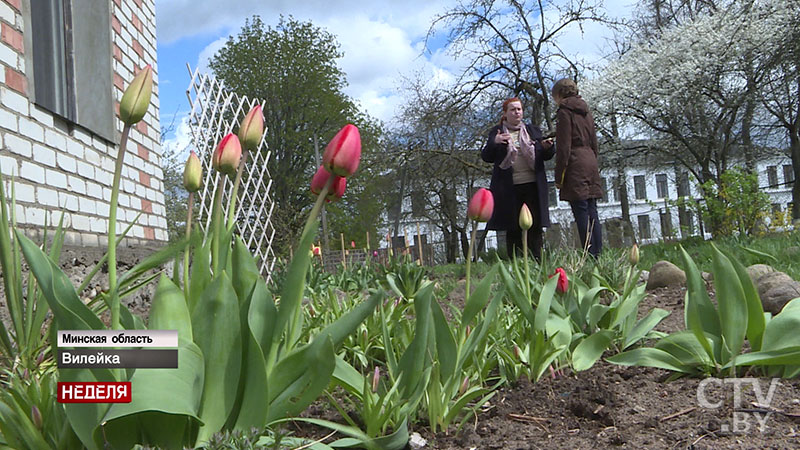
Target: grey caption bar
{"type": "Point", "coordinates": [118, 359]}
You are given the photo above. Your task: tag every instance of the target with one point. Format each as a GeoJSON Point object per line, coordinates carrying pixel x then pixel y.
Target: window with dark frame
{"type": "Point", "coordinates": [644, 226]}
{"type": "Point", "coordinates": [788, 175]}
{"type": "Point", "coordinates": [683, 184]}
{"type": "Point", "coordinates": [666, 224]}
{"type": "Point", "coordinates": [71, 55]}
{"type": "Point", "coordinates": [772, 176]}
{"type": "Point", "coordinates": [639, 187]}
{"type": "Point", "coordinates": [685, 221]}
{"type": "Point", "coordinates": [661, 185]}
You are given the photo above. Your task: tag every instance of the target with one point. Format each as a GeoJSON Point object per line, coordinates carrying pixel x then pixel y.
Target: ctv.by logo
{"type": "Point", "coordinates": [760, 410]}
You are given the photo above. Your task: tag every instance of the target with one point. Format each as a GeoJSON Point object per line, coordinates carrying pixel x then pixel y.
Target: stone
{"type": "Point", "coordinates": [663, 274]}
{"type": "Point", "coordinates": [644, 276]}
{"type": "Point", "coordinates": [757, 270]}
{"type": "Point", "coordinates": [776, 289]}
{"type": "Point", "coordinates": [416, 441]}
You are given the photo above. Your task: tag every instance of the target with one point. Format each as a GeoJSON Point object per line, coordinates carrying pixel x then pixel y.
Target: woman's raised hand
{"type": "Point", "coordinates": [502, 138]}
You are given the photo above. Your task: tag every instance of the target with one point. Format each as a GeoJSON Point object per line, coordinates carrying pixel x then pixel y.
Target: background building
{"type": "Point", "coordinates": [64, 68]}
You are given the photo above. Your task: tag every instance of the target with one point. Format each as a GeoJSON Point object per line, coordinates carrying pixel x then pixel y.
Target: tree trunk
{"type": "Point", "coordinates": [622, 190]}
{"type": "Point", "coordinates": [794, 139]}
{"type": "Point", "coordinates": [747, 140]}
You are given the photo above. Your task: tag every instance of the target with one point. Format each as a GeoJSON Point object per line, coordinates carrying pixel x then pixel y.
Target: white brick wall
{"type": "Point", "coordinates": [57, 170]}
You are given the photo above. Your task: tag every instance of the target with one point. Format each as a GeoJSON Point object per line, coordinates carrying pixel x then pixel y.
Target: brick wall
{"type": "Point", "coordinates": [58, 166]}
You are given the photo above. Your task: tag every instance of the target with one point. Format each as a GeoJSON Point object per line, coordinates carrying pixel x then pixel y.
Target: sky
{"type": "Point", "coordinates": [382, 42]}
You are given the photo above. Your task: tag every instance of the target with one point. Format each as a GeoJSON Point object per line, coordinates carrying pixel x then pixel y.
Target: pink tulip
{"type": "Point", "coordinates": [227, 155]}
{"type": "Point", "coordinates": [343, 152]}
{"type": "Point", "coordinates": [481, 206]}
{"type": "Point", "coordinates": [319, 180]}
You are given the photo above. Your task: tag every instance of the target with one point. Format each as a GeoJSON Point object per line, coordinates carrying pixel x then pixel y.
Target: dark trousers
{"type": "Point", "coordinates": [526, 193]}
{"type": "Point", "coordinates": [589, 230]}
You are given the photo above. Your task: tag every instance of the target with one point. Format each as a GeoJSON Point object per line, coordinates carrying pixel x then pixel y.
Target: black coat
{"type": "Point", "coordinates": [505, 216]}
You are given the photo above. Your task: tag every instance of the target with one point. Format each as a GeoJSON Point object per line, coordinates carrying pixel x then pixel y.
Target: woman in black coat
{"type": "Point", "coordinates": [518, 153]}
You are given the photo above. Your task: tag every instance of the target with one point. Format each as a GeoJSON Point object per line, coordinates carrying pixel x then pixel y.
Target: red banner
{"type": "Point", "coordinates": [94, 392]}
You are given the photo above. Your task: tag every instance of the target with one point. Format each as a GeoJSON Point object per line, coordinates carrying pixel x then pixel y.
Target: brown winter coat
{"type": "Point", "coordinates": [576, 151]}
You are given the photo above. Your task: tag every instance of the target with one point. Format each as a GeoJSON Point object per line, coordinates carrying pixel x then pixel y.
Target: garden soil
{"type": "Point", "coordinates": [611, 406]}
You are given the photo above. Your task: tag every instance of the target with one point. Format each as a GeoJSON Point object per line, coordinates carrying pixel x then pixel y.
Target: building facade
{"type": "Point", "coordinates": [65, 66]}
{"type": "Point", "coordinates": [652, 199]}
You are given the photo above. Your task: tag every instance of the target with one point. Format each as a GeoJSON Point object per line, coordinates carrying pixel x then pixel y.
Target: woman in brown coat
{"type": "Point", "coordinates": [577, 172]}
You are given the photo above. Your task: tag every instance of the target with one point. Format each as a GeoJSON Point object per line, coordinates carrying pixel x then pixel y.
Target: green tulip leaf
{"type": "Point", "coordinates": [591, 349]}
{"type": "Point", "coordinates": [164, 405]}
{"type": "Point", "coordinates": [217, 331]}
{"type": "Point", "coordinates": [299, 378]}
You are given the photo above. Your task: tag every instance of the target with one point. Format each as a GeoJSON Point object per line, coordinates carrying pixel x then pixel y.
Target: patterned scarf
{"type": "Point", "coordinates": [525, 144]}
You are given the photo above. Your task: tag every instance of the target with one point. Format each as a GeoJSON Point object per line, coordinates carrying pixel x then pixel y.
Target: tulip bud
{"type": "Point", "coordinates": [481, 206]}
{"type": "Point", "coordinates": [374, 253]}
{"type": "Point", "coordinates": [136, 98]}
{"type": "Point", "coordinates": [353, 244]}
{"type": "Point", "coordinates": [40, 358]}
{"type": "Point", "coordinates": [633, 257]}
{"type": "Point", "coordinates": [467, 331]}
{"type": "Point", "coordinates": [376, 376]}
{"type": "Point", "coordinates": [525, 218]}
{"type": "Point", "coordinates": [563, 281]}
{"type": "Point", "coordinates": [315, 250]}
{"type": "Point", "coordinates": [252, 128]}
{"type": "Point", "coordinates": [192, 173]}
{"type": "Point", "coordinates": [516, 351]}
{"type": "Point", "coordinates": [343, 152]}
{"type": "Point", "coordinates": [311, 311]}
{"type": "Point", "coordinates": [227, 155]}
{"type": "Point", "coordinates": [36, 417]}
{"type": "Point", "coordinates": [464, 386]}
{"type": "Point", "coordinates": [319, 180]}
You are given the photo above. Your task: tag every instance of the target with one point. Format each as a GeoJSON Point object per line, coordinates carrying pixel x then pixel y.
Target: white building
{"type": "Point", "coordinates": [652, 193]}
{"type": "Point", "coordinates": [64, 68]}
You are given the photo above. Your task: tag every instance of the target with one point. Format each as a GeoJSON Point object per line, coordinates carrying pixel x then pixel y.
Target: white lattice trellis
{"type": "Point", "coordinates": [215, 113]}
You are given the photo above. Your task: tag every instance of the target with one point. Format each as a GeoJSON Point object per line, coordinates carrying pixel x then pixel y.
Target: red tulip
{"type": "Point", "coordinates": [563, 281]}
{"type": "Point", "coordinates": [343, 152]}
{"type": "Point", "coordinates": [481, 206]}
{"type": "Point", "coordinates": [319, 180]}
{"type": "Point", "coordinates": [227, 155]}
{"type": "Point", "coordinates": [353, 244]}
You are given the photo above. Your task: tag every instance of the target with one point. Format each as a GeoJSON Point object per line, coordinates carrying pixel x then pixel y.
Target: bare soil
{"type": "Point", "coordinates": [611, 406]}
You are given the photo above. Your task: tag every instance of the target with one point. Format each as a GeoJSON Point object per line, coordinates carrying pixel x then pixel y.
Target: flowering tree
{"type": "Point", "coordinates": [695, 88]}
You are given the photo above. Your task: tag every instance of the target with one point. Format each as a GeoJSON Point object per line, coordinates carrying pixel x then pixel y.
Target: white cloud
{"type": "Point", "coordinates": [382, 41]}
{"type": "Point", "coordinates": [180, 142]}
